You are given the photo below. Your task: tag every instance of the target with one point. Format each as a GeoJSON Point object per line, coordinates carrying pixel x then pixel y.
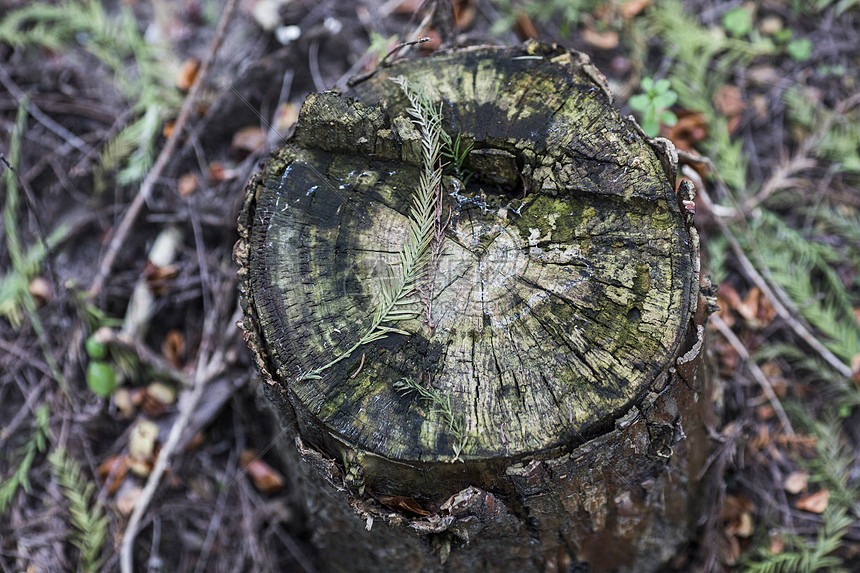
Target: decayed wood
{"type": "Point", "coordinates": [563, 325]}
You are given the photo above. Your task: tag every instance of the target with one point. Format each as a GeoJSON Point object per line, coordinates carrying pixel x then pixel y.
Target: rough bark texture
{"type": "Point", "coordinates": [562, 326]}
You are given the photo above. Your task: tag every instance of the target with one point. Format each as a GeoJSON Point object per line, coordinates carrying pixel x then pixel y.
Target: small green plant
{"type": "Point", "coordinates": [440, 404]}
{"type": "Point", "coordinates": [738, 22]}
{"type": "Point", "coordinates": [654, 105]}
{"type": "Point", "coordinates": [101, 377]}
{"type": "Point", "coordinates": [799, 50]}
{"type": "Point", "coordinates": [87, 518]}
{"type": "Point", "coordinates": [26, 455]}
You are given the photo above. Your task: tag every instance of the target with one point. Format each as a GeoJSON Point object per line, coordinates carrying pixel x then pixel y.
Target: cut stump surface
{"type": "Point", "coordinates": [562, 296]}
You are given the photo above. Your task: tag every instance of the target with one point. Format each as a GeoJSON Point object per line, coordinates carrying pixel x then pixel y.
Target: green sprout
{"type": "Point", "coordinates": [654, 105]}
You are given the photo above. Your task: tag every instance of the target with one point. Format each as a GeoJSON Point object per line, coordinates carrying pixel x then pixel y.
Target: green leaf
{"type": "Point", "coordinates": [800, 50]}
{"type": "Point", "coordinates": [665, 100]}
{"type": "Point", "coordinates": [640, 102]}
{"type": "Point", "coordinates": [95, 350]}
{"type": "Point", "coordinates": [738, 22]}
{"type": "Point", "coordinates": [101, 378]}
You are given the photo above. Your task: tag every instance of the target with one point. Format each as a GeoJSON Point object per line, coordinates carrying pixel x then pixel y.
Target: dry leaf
{"type": "Point", "coordinates": [525, 28]}
{"type": "Point", "coordinates": [187, 74]}
{"type": "Point", "coordinates": [464, 13]}
{"type": "Point", "coordinates": [737, 515]}
{"type": "Point", "coordinates": [173, 348]}
{"type": "Point", "coordinates": [156, 399]}
{"type": "Point", "coordinates": [128, 498]}
{"type": "Point", "coordinates": [408, 7]}
{"type": "Point", "coordinates": [756, 308]}
{"type": "Point", "coordinates": [690, 130]}
{"type": "Point", "coordinates": [218, 172]}
{"type": "Point", "coordinates": [855, 368]}
{"type": "Point", "coordinates": [435, 42]}
{"type": "Point", "coordinates": [265, 478]}
{"type": "Point", "coordinates": [632, 8]}
{"type": "Point", "coordinates": [399, 502]}
{"type": "Point", "coordinates": [186, 185]}
{"type": "Point", "coordinates": [796, 482]}
{"type": "Point", "coordinates": [112, 472]}
{"type": "Point", "coordinates": [728, 100]}
{"type": "Point", "coordinates": [764, 412]}
{"type": "Point", "coordinates": [777, 544]}
{"type": "Point", "coordinates": [159, 279]}
{"type": "Point", "coordinates": [249, 139]}
{"type": "Point", "coordinates": [606, 40]}
{"type": "Point", "coordinates": [286, 117]}
{"type": "Point", "coordinates": [167, 130]}
{"type": "Point", "coordinates": [40, 289]}
{"type": "Point", "coordinates": [122, 397]}
{"type": "Point", "coordinates": [815, 503]}
{"type": "Point", "coordinates": [141, 443]}
{"type": "Point", "coordinates": [770, 25]}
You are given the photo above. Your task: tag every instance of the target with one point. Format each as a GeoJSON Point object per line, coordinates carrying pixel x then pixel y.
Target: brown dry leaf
{"type": "Point", "coordinates": [737, 516]}
{"type": "Point", "coordinates": [128, 498]}
{"type": "Point", "coordinates": [606, 40]}
{"type": "Point", "coordinates": [770, 25]}
{"type": "Point", "coordinates": [728, 299]}
{"type": "Point", "coordinates": [187, 185]}
{"type": "Point", "coordinates": [764, 412]}
{"type": "Point", "coordinates": [815, 503]}
{"type": "Point", "coordinates": [249, 139]}
{"type": "Point", "coordinates": [40, 289]}
{"type": "Point", "coordinates": [160, 279]}
{"type": "Point", "coordinates": [632, 8]}
{"type": "Point", "coordinates": [796, 482]}
{"type": "Point", "coordinates": [122, 397]}
{"type": "Point", "coordinates": [167, 130]}
{"type": "Point", "coordinates": [729, 102]}
{"type": "Point", "coordinates": [855, 368]}
{"type": "Point", "coordinates": [158, 396]}
{"type": "Point", "coordinates": [525, 28]}
{"type": "Point", "coordinates": [187, 74]}
{"type": "Point", "coordinates": [464, 13]}
{"type": "Point", "coordinates": [265, 478]}
{"type": "Point", "coordinates": [112, 472]}
{"type": "Point", "coordinates": [777, 544]}
{"type": "Point", "coordinates": [435, 42]}
{"type": "Point", "coordinates": [756, 308]}
{"type": "Point", "coordinates": [173, 348]}
{"type": "Point", "coordinates": [399, 502]}
{"type": "Point", "coordinates": [690, 130]}
{"type": "Point", "coordinates": [286, 117]}
{"type": "Point", "coordinates": [408, 7]}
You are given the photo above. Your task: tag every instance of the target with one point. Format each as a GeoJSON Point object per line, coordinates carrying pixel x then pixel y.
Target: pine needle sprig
{"type": "Point", "coordinates": [397, 297]}
{"type": "Point", "coordinates": [88, 518]}
{"type": "Point", "coordinates": [37, 443]}
{"type": "Point", "coordinates": [440, 404]}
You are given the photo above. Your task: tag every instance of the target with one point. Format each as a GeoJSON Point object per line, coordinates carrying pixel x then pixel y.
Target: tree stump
{"type": "Point", "coordinates": [556, 412]}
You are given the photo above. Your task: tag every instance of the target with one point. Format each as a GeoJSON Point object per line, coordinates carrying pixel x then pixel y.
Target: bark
{"type": "Point", "coordinates": [559, 323]}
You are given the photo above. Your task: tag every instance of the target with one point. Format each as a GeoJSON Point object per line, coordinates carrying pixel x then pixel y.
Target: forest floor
{"type": "Point", "coordinates": [124, 157]}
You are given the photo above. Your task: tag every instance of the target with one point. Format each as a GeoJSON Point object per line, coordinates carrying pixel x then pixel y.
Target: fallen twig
{"type": "Point", "coordinates": [756, 372]}
{"type": "Point", "coordinates": [784, 307]}
{"type": "Point", "coordinates": [127, 221]}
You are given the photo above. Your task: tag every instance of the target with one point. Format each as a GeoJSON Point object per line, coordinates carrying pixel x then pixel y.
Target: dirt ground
{"type": "Point", "coordinates": [217, 508]}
